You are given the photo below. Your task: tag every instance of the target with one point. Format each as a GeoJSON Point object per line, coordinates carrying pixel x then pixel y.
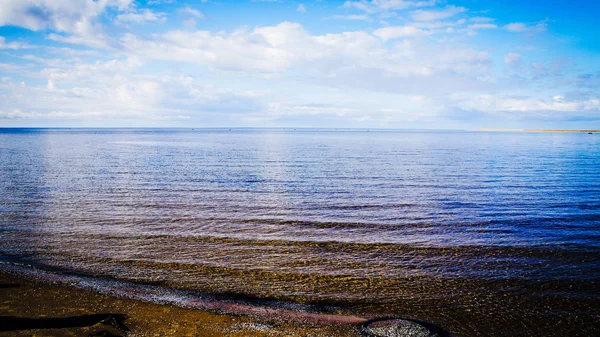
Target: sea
{"type": "Point", "coordinates": [479, 233]}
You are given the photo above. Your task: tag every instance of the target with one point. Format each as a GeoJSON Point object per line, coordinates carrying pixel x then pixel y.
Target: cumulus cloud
{"type": "Point", "coordinates": [287, 46]}
{"type": "Point", "coordinates": [264, 49]}
{"type": "Point", "coordinates": [114, 89]}
{"type": "Point", "coordinates": [117, 88]}
{"type": "Point", "coordinates": [77, 19]}
{"type": "Point", "coordinates": [419, 66]}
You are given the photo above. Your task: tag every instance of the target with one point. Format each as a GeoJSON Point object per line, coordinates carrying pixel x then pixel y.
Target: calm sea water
{"type": "Point", "coordinates": [480, 233]}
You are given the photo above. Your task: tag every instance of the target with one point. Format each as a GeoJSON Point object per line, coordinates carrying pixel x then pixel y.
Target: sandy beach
{"type": "Point", "coordinates": [33, 308]}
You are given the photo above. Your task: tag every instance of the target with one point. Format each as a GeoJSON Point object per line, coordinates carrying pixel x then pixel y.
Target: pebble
{"type": "Point", "coordinates": [396, 328]}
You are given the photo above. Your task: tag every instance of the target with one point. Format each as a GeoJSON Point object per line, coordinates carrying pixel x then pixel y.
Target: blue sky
{"type": "Point", "coordinates": [360, 63]}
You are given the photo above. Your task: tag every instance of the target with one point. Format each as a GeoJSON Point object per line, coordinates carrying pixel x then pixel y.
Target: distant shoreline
{"type": "Point", "coordinates": [538, 130]}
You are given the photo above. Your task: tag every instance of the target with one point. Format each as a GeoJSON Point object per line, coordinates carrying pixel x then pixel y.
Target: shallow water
{"type": "Point", "coordinates": [481, 233]}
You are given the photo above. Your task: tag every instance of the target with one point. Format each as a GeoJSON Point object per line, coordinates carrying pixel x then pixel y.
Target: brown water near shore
{"type": "Point", "coordinates": [376, 286]}
{"type": "Point", "coordinates": [439, 302]}
{"type": "Point", "coordinates": [58, 310]}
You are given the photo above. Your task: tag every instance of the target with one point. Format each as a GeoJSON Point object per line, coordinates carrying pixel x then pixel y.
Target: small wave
{"type": "Point", "coordinates": [188, 299]}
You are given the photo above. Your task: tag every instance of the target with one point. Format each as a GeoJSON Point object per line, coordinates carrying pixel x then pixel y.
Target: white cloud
{"type": "Point", "coordinates": [436, 26]}
{"type": "Point", "coordinates": [70, 52]}
{"type": "Point", "coordinates": [396, 32]}
{"type": "Point", "coordinates": [189, 23]}
{"type": "Point", "coordinates": [350, 107]}
{"type": "Point", "coordinates": [264, 49]}
{"type": "Point", "coordinates": [520, 27]}
{"type": "Point", "coordinates": [432, 15]}
{"type": "Point", "coordinates": [51, 85]}
{"type": "Point", "coordinates": [93, 39]}
{"type": "Point", "coordinates": [516, 27]}
{"type": "Point", "coordinates": [139, 17]}
{"type": "Point", "coordinates": [277, 50]}
{"type": "Point", "coordinates": [481, 19]}
{"type": "Point", "coordinates": [483, 26]}
{"type": "Point", "coordinates": [276, 72]}
{"type": "Point", "coordinates": [41, 60]}
{"type": "Point", "coordinates": [77, 19]}
{"type": "Point", "coordinates": [192, 12]}
{"type": "Point", "coordinates": [12, 68]}
{"type": "Point", "coordinates": [319, 65]}
{"type": "Point", "coordinates": [12, 45]}
{"type": "Point", "coordinates": [591, 105]}
{"type": "Point", "coordinates": [115, 89]}
{"type": "Point", "coordinates": [281, 109]}
{"type": "Point", "coordinates": [525, 106]}
{"type": "Point", "coordinates": [362, 17]}
{"type": "Point", "coordinates": [374, 6]}
{"type": "Point", "coordinates": [463, 61]}
{"type": "Point", "coordinates": [512, 59]}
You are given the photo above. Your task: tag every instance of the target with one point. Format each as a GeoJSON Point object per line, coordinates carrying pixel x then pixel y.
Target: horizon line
{"type": "Point", "coordinates": [302, 128]}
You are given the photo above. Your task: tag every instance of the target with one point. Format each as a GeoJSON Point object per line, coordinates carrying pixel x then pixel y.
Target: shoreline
{"type": "Point", "coordinates": [59, 309]}
{"type": "Point", "coordinates": [540, 130]}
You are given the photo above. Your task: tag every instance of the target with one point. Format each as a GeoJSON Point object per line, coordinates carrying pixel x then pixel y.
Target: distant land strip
{"type": "Point", "coordinates": [537, 130]}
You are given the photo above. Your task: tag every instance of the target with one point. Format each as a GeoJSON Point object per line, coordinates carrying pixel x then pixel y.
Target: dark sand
{"type": "Point", "coordinates": [34, 308]}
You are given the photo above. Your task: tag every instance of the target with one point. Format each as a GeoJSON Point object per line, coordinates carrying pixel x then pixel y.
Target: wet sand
{"type": "Point", "coordinates": [59, 310]}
